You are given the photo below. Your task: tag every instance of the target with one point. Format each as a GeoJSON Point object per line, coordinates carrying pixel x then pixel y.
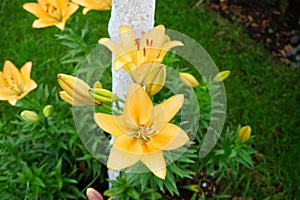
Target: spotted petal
{"type": "Point", "coordinates": [11, 73]}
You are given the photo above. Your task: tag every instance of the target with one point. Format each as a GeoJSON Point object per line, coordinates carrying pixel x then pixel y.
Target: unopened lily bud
{"type": "Point", "coordinates": [93, 194]}
{"type": "Point", "coordinates": [193, 188]}
{"type": "Point", "coordinates": [47, 111]}
{"type": "Point", "coordinates": [188, 80]}
{"type": "Point", "coordinates": [221, 76]}
{"type": "Point", "coordinates": [103, 95]}
{"type": "Point", "coordinates": [30, 116]}
{"type": "Point", "coordinates": [244, 133]}
{"type": "Point", "coordinates": [76, 91]}
{"type": "Point", "coordinates": [155, 80]}
{"type": "Point", "coordinates": [97, 84]}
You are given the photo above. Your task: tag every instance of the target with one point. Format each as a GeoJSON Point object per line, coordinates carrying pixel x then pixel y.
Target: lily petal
{"type": "Point", "coordinates": [171, 106]}
{"type": "Point", "coordinates": [61, 4]}
{"type": "Point", "coordinates": [26, 71]}
{"type": "Point", "coordinates": [43, 22]}
{"type": "Point", "coordinates": [119, 159]}
{"type": "Point", "coordinates": [85, 10]}
{"type": "Point", "coordinates": [156, 35]}
{"type": "Point", "coordinates": [156, 163]}
{"type": "Point", "coordinates": [128, 144]}
{"type": "Point", "coordinates": [60, 25]}
{"type": "Point", "coordinates": [138, 105]}
{"type": "Point", "coordinates": [7, 94]}
{"type": "Point", "coordinates": [13, 102]}
{"type": "Point", "coordinates": [35, 9]}
{"type": "Point", "coordinates": [28, 86]}
{"type": "Point", "coordinates": [68, 10]}
{"type": "Point", "coordinates": [110, 124]}
{"type": "Point", "coordinates": [66, 97]}
{"type": "Point", "coordinates": [2, 80]}
{"type": "Point", "coordinates": [169, 138]}
{"type": "Point", "coordinates": [11, 73]}
{"type": "Point", "coordinates": [112, 46]}
{"type": "Point", "coordinates": [127, 38]}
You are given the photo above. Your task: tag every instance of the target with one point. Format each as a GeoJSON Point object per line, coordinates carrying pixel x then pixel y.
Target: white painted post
{"type": "Point", "coordinates": [139, 15]}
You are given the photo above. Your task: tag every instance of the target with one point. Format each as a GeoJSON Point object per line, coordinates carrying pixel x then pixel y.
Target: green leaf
{"type": "Point", "coordinates": [59, 182]}
{"type": "Point", "coordinates": [133, 193]}
{"type": "Point", "coordinates": [37, 181]}
{"type": "Point", "coordinates": [27, 172]}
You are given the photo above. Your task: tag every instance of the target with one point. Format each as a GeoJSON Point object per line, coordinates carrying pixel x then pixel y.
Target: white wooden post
{"type": "Point", "coordinates": [139, 15]}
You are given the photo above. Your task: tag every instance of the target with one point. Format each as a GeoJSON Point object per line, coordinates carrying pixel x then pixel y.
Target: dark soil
{"type": "Point", "coordinates": [274, 25]}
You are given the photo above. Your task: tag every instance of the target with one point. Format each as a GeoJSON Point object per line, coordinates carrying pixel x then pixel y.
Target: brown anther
{"type": "Point", "coordinates": [144, 52]}
{"type": "Point", "coordinates": [137, 43]}
{"type": "Point", "coordinates": [147, 42]}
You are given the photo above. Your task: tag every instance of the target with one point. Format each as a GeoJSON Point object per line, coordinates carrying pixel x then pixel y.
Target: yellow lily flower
{"type": "Point", "coordinates": [134, 52]}
{"type": "Point", "coordinates": [15, 84]}
{"type": "Point", "coordinates": [76, 91]}
{"type": "Point", "coordinates": [51, 12]}
{"type": "Point", "coordinates": [94, 5]}
{"type": "Point", "coordinates": [143, 131]}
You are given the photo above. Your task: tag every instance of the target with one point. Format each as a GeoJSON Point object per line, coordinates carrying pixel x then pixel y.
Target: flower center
{"type": "Point", "coordinates": [149, 43]}
{"type": "Point", "coordinates": [53, 11]}
{"type": "Point", "coordinates": [144, 133]}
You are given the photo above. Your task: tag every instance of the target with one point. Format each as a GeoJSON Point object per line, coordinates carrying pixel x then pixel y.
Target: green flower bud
{"type": "Point", "coordinates": [103, 95]}
{"type": "Point", "coordinates": [221, 76]}
{"type": "Point", "coordinates": [30, 116]}
{"type": "Point", "coordinates": [47, 111]}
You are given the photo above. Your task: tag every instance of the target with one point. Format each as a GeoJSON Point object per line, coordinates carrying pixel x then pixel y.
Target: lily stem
{"type": "Point", "coordinates": [112, 109]}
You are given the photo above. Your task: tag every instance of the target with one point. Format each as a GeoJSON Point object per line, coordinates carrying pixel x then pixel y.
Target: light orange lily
{"type": "Point", "coordinates": [15, 84]}
{"type": "Point", "coordinates": [94, 5]}
{"type": "Point", "coordinates": [51, 12]}
{"type": "Point", "coordinates": [134, 53]}
{"type": "Point", "coordinates": [76, 91]}
{"type": "Point", "coordinates": [143, 131]}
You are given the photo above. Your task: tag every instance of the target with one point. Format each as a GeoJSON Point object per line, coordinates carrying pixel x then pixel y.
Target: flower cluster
{"type": "Point", "coordinates": [142, 131]}
{"type": "Point", "coordinates": [57, 12]}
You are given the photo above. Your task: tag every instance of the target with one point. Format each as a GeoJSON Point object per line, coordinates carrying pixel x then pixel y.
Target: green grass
{"type": "Point", "coordinates": [261, 91]}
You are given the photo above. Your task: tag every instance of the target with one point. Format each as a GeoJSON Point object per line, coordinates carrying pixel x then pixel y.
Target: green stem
{"type": "Point", "coordinates": [112, 109]}
{"type": "Point", "coordinates": [121, 100]}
